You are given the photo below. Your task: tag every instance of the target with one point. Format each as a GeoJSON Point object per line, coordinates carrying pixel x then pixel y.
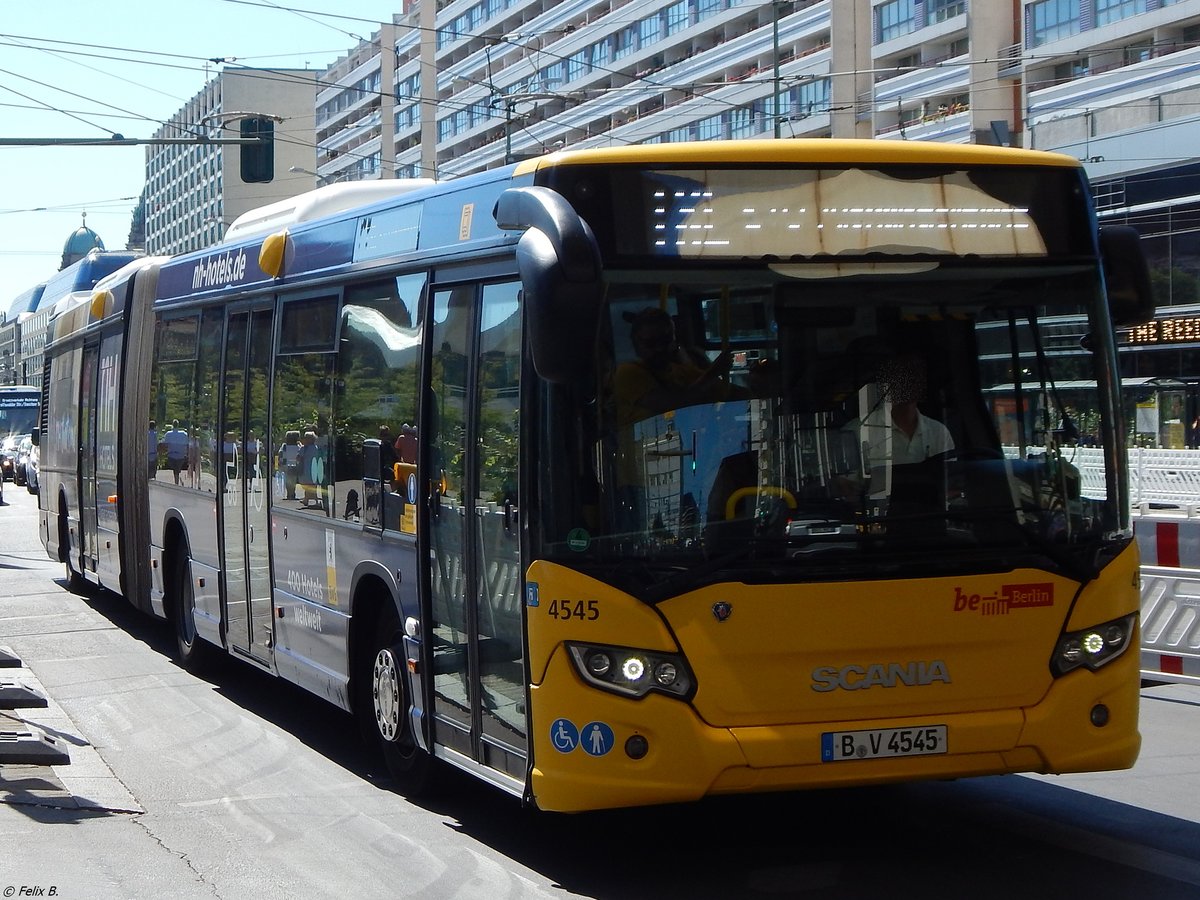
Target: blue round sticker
{"type": "Point", "coordinates": [412, 487]}
{"type": "Point", "coordinates": [596, 738]}
{"type": "Point", "coordinates": [564, 735]}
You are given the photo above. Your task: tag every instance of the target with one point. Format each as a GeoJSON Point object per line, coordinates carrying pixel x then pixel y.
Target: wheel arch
{"type": "Point", "coordinates": [64, 527]}
{"type": "Point", "coordinates": [372, 589]}
{"type": "Point", "coordinates": [176, 550]}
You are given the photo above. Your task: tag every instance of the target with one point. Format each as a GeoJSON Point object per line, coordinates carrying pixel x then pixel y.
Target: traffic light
{"type": "Point", "coordinates": [258, 160]}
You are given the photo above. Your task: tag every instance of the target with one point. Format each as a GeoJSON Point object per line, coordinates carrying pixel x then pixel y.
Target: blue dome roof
{"type": "Point", "coordinates": [79, 244]}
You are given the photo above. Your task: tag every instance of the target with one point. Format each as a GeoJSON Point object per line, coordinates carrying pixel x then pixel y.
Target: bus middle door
{"type": "Point", "coordinates": [88, 413]}
{"type": "Point", "coordinates": [242, 465]}
{"type": "Point", "coordinates": [477, 625]}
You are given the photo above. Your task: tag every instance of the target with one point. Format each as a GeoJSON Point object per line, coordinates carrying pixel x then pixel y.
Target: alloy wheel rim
{"type": "Point", "coordinates": [386, 693]}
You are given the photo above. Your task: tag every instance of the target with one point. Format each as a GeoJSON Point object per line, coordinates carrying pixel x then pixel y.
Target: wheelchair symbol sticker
{"type": "Point", "coordinates": [597, 738]}
{"type": "Point", "coordinates": [564, 735]}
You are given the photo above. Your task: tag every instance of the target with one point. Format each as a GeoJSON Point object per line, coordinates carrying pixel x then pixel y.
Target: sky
{"type": "Point", "coordinates": [87, 69]}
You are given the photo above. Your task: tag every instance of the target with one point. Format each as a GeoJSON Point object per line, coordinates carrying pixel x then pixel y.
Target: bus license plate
{"type": "Point", "coordinates": [923, 740]}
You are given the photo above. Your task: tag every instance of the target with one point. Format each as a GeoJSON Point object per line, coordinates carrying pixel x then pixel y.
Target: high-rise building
{"type": "Point", "coordinates": [449, 88]}
{"type": "Point", "coordinates": [194, 189]}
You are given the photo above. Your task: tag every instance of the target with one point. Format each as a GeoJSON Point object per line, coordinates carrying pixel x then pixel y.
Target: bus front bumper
{"type": "Point", "coordinates": [594, 750]}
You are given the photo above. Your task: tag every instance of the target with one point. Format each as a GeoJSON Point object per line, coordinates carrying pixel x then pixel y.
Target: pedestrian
{"type": "Point", "coordinates": [176, 443]}
{"type": "Point", "coordinates": [287, 461]}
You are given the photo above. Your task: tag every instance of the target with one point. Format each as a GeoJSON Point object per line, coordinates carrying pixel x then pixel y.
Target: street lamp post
{"type": "Point", "coordinates": [508, 111]}
{"type": "Point", "coordinates": [510, 101]}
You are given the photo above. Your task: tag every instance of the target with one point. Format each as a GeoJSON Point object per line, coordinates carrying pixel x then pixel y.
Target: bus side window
{"type": "Point", "coordinates": [378, 357]}
{"type": "Point", "coordinates": [305, 375]}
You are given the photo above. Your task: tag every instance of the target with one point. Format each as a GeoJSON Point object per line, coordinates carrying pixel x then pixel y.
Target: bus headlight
{"type": "Point", "coordinates": [632, 672]}
{"type": "Point", "coordinates": [1092, 647]}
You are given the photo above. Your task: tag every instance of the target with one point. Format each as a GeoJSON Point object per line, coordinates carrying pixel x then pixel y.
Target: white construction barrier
{"type": "Point", "coordinates": [1169, 542]}
{"type": "Point", "coordinates": [1164, 486]}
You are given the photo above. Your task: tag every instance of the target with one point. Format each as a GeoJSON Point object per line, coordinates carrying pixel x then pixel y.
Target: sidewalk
{"type": "Point", "coordinates": [86, 782]}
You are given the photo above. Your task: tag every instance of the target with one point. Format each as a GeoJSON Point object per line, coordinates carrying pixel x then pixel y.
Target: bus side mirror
{"type": "Point", "coordinates": [35, 437]}
{"type": "Point", "coordinates": [560, 269]}
{"type": "Point", "coordinates": [1126, 275]}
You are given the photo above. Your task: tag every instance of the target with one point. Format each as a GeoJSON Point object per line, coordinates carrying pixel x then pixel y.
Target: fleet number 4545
{"type": "Point", "coordinates": [586, 610]}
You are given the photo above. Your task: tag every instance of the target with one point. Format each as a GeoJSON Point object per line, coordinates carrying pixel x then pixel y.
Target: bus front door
{"type": "Point", "coordinates": [479, 677]}
{"type": "Point", "coordinates": [245, 545]}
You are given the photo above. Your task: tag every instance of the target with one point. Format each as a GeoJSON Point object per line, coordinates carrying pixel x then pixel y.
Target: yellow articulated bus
{"type": "Point", "coordinates": [635, 476]}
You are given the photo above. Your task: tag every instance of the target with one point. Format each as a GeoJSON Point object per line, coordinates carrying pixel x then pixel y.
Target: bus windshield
{"type": "Point", "coordinates": [743, 422]}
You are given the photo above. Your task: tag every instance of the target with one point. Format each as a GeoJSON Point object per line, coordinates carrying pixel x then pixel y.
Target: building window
{"type": "Point", "coordinates": [579, 64]}
{"type": "Point", "coordinates": [1139, 52]}
{"type": "Point", "coordinates": [1052, 20]}
{"type": "Point", "coordinates": [941, 10]}
{"type": "Point", "coordinates": [1068, 71]}
{"type": "Point", "coordinates": [709, 129]}
{"type": "Point", "coordinates": [552, 75]}
{"type": "Point", "coordinates": [600, 52]}
{"type": "Point", "coordinates": [1108, 11]}
{"type": "Point", "coordinates": [744, 123]}
{"type": "Point", "coordinates": [677, 16]}
{"type": "Point", "coordinates": [895, 19]}
{"type": "Point", "coordinates": [649, 31]}
{"type": "Point", "coordinates": [624, 41]}
{"type": "Point", "coordinates": [811, 97]}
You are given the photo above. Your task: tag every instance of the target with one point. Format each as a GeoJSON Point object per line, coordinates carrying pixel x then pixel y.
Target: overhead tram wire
{"type": "Point", "coordinates": [66, 207]}
{"type": "Point", "coordinates": [502, 39]}
{"type": "Point", "coordinates": [282, 77]}
{"type": "Point", "coordinates": [697, 91]}
{"type": "Point", "coordinates": [308, 14]}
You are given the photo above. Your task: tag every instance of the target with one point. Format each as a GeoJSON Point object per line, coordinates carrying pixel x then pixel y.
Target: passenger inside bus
{"type": "Point", "coordinates": [659, 379]}
{"type": "Point", "coordinates": [662, 377]}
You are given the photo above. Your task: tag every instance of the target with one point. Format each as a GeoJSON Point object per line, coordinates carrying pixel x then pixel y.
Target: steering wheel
{"type": "Point", "coordinates": [772, 490]}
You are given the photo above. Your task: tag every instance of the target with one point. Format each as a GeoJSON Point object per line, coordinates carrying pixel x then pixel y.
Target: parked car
{"type": "Point", "coordinates": [23, 448]}
{"type": "Point", "coordinates": [32, 464]}
{"type": "Point", "coordinates": [8, 456]}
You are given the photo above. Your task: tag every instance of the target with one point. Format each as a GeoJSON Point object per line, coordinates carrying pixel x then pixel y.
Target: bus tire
{"type": "Point", "coordinates": [383, 707]}
{"type": "Point", "coordinates": [192, 652]}
{"type": "Point", "coordinates": [76, 583]}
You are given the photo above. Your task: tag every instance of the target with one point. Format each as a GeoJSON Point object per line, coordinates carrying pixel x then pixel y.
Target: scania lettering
{"type": "Point", "coordinates": [857, 678]}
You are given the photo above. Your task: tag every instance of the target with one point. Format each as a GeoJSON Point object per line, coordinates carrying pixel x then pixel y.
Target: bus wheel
{"type": "Point", "coordinates": [76, 583]}
{"type": "Point", "coordinates": [193, 653]}
{"type": "Point", "coordinates": [383, 706]}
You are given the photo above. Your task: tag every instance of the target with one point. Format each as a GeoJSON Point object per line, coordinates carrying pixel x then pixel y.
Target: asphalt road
{"type": "Point", "coordinates": [236, 785]}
